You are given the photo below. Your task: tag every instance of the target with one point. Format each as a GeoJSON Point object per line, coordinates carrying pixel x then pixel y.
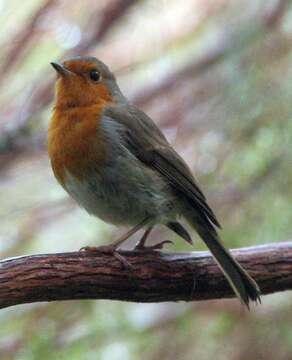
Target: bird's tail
{"type": "Point", "coordinates": [243, 285]}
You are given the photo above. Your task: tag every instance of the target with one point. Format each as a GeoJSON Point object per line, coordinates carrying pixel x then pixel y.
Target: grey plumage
{"type": "Point", "coordinates": [148, 144]}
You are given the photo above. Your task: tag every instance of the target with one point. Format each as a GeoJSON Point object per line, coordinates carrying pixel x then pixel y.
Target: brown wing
{"type": "Point", "coordinates": [149, 145]}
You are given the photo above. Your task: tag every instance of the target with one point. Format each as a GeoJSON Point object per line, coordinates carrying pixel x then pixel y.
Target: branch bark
{"type": "Point", "coordinates": [153, 277]}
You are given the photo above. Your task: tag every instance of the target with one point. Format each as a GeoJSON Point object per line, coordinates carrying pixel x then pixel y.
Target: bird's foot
{"type": "Point", "coordinates": [105, 249]}
{"type": "Point", "coordinates": [108, 250]}
{"type": "Point", "coordinates": [152, 248]}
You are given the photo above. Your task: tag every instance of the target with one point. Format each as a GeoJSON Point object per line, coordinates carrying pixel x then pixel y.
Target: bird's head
{"type": "Point", "coordinates": [84, 81]}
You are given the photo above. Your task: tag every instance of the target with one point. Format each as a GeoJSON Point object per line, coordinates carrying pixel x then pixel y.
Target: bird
{"type": "Point", "coordinates": [116, 163]}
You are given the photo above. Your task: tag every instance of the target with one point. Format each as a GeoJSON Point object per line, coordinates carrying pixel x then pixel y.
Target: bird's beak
{"type": "Point", "coordinates": [61, 70]}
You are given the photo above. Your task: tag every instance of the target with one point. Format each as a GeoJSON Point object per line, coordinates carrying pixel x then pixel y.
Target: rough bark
{"type": "Point", "coordinates": [153, 277]}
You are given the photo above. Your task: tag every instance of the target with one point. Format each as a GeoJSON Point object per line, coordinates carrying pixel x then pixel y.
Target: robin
{"type": "Point", "coordinates": [117, 164]}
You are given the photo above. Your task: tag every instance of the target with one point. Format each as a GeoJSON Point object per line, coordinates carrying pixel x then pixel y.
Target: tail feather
{"type": "Point", "coordinates": [243, 285]}
{"type": "Point", "coordinates": [176, 227]}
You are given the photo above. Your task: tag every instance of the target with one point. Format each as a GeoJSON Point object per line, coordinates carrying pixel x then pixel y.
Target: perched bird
{"type": "Point", "coordinates": [117, 164]}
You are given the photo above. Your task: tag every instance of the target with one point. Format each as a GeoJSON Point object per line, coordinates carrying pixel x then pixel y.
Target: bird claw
{"type": "Point", "coordinates": [151, 248]}
{"type": "Point", "coordinates": [105, 249]}
{"type": "Point", "coordinates": [108, 250]}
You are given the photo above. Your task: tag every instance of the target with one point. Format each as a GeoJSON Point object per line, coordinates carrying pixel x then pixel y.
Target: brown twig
{"type": "Point", "coordinates": [153, 277]}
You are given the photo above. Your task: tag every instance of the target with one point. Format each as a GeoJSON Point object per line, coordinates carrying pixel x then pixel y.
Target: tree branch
{"type": "Point", "coordinates": [153, 277]}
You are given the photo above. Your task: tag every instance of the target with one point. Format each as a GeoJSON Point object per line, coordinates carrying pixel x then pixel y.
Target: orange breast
{"type": "Point", "coordinates": [75, 142]}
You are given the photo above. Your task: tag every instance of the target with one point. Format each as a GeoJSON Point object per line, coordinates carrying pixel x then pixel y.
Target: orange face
{"type": "Point", "coordinates": [80, 83]}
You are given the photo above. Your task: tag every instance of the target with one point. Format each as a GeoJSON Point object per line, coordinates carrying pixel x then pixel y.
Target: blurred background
{"type": "Point", "coordinates": [216, 76]}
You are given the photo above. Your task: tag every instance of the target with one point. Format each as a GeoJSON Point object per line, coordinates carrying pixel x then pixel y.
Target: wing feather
{"type": "Point", "coordinates": [149, 145]}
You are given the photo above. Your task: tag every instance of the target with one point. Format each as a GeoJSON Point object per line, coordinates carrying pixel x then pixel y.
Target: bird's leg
{"type": "Point", "coordinates": [113, 247]}
{"type": "Point", "coordinates": [141, 243]}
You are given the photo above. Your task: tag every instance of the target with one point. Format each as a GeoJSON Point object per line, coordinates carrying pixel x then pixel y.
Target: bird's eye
{"type": "Point", "coordinates": [94, 75]}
